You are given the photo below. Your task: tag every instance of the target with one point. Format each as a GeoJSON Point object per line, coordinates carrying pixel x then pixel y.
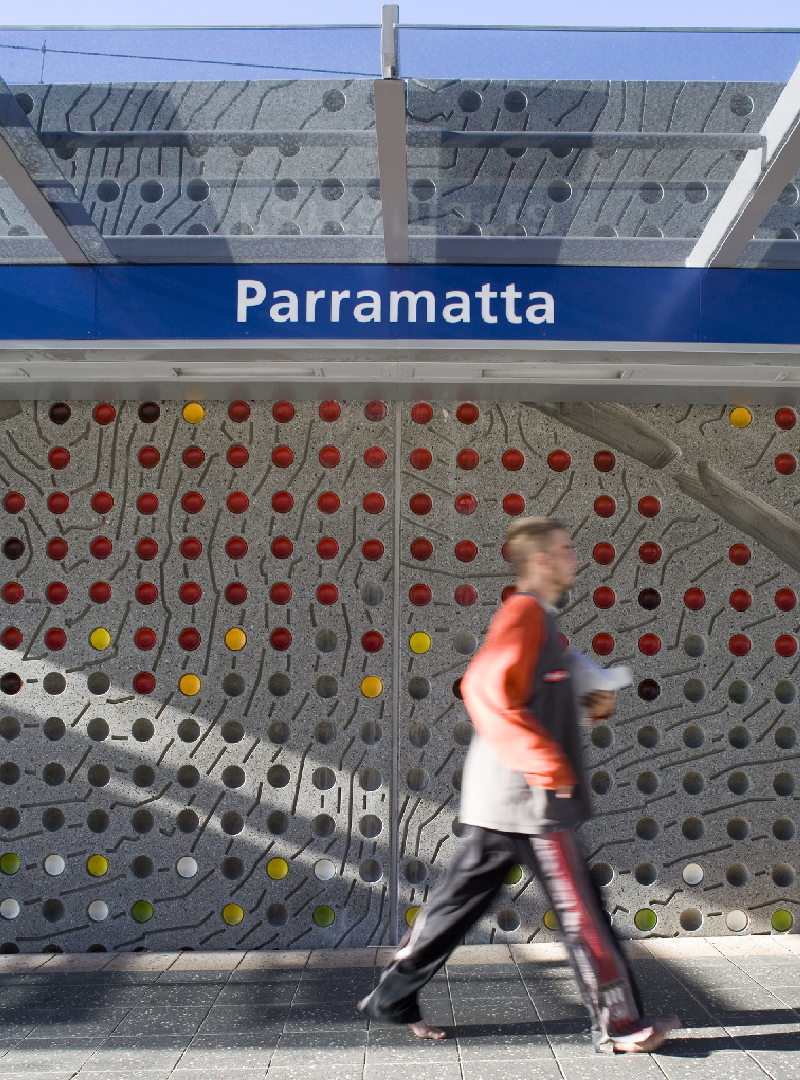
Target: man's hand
{"type": "Point", "coordinates": [601, 704]}
{"type": "Point", "coordinates": [564, 792]}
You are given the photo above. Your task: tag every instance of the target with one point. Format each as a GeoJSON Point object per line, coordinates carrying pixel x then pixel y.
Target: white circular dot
{"type": "Point", "coordinates": [324, 869]}
{"type": "Point", "coordinates": [693, 873]}
{"type": "Point", "coordinates": [737, 921]}
{"type": "Point", "coordinates": [186, 866]}
{"type": "Point", "coordinates": [97, 910]}
{"type": "Point", "coordinates": [9, 908]}
{"type": "Point", "coordinates": [54, 865]}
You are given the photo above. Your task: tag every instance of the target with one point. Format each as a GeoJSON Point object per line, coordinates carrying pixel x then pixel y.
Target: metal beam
{"type": "Point", "coordinates": [390, 59]}
{"type": "Point", "coordinates": [390, 124]}
{"type": "Point", "coordinates": [756, 186]}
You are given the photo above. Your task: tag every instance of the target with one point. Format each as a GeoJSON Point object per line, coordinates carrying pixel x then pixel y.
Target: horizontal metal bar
{"type": "Point", "coordinates": [246, 249]}
{"type": "Point", "coordinates": [197, 142]}
{"type": "Point", "coordinates": [550, 250]}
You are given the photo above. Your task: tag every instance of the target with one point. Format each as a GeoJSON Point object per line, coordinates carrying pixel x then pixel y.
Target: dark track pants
{"type": "Point", "coordinates": [465, 893]}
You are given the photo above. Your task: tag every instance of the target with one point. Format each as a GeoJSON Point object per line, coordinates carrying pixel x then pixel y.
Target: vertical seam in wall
{"type": "Point", "coordinates": [394, 802]}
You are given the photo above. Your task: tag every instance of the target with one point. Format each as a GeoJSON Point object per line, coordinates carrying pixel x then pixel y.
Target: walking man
{"type": "Point", "coordinates": [524, 792]}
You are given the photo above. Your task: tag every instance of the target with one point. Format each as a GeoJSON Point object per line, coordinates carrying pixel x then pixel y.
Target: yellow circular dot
{"type": "Point", "coordinates": [514, 875]}
{"type": "Point", "coordinates": [194, 412]}
{"type": "Point", "coordinates": [232, 914]}
{"type": "Point", "coordinates": [143, 911]}
{"type": "Point", "coordinates": [100, 638]}
{"type": "Point", "coordinates": [277, 869]}
{"type": "Point", "coordinates": [782, 921]}
{"type": "Point", "coordinates": [236, 639]}
{"type": "Point", "coordinates": [411, 915]}
{"type": "Point", "coordinates": [645, 919]}
{"type": "Point", "coordinates": [190, 685]}
{"type": "Point", "coordinates": [324, 916]}
{"type": "Point", "coordinates": [550, 920]}
{"type": "Point", "coordinates": [97, 865]}
{"type": "Point", "coordinates": [371, 686]}
{"type": "Point", "coordinates": [419, 642]}
{"type": "Point", "coordinates": [740, 416]}
{"type": "Point", "coordinates": [10, 863]}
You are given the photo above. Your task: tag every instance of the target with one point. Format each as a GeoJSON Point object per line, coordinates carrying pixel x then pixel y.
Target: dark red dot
{"type": "Point", "coordinates": [282, 502]}
{"type": "Point", "coordinates": [102, 502]}
{"type": "Point", "coordinates": [239, 411]}
{"type": "Point", "coordinates": [420, 504]}
{"type": "Point", "coordinates": [58, 503]}
{"type": "Point", "coordinates": [191, 592]}
{"type": "Point", "coordinates": [604, 461]}
{"type": "Point", "coordinates": [466, 504]}
{"type": "Point", "coordinates": [105, 413]}
{"type": "Point", "coordinates": [189, 639]}
{"type": "Point", "coordinates": [14, 502]}
{"type": "Point", "coordinates": [648, 690]}
{"type": "Point", "coordinates": [785, 464]}
{"type": "Point", "coordinates": [147, 503]}
{"type": "Point", "coordinates": [145, 639]}
{"type": "Point", "coordinates": [57, 549]}
{"type": "Point", "coordinates": [467, 459]}
{"type": "Point", "coordinates": [421, 549]}
{"type": "Point", "coordinates": [100, 592]}
{"type": "Point", "coordinates": [372, 641]}
{"type": "Point", "coordinates": [58, 457]}
{"type": "Point", "coordinates": [420, 458]}
{"type": "Point", "coordinates": [467, 413]}
{"type": "Point", "coordinates": [282, 457]}
{"type": "Point", "coordinates": [146, 593]}
{"type": "Point", "coordinates": [280, 593]}
{"type": "Point", "coordinates": [513, 505]}
{"type": "Point", "coordinates": [739, 554]}
{"type": "Point", "coordinates": [327, 594]}
{"type": "Point", "coordinates": [649, 506]}
{"type": "Point", "coordinates": [328, 502]}
{"type": "Point", "coordinates": [509, 590]}
{"type": "Point", "coordinates": [375, 410]}
{"type": "Point", "coordinates": [740, 600]}
{"type": "Point", "coordinates": [283, 412]}
{"type": "Point", "coordinates": [739, 644]}
{"type": "Point", "coordinates": [786, 645]}
{"type": "Point", "coordinates": [419, 595]}
{"type": "Point", "coordinates": [149, 412]}
{"type": "Point", "coordinates": [649, 644]}
{"type": "Point", "coordinates": [374, 457]}
{"type": "Point", "coordinates": [14, 548]}
{"type": "Point", "coordinates": [559, 461]}
{"type": "Point", "coordinates": [101, 547]}
{"type": "Point", "coordinates": [147, 549]}
{"type": "Point", "coordinates": [421, 413]}
{"type": "Point", "coordinates": [457, 690]}
{"type": "Point", "coordinates": [238, 456]}
{"type": "Point", "coordinates": [604, 506]}
{"type": "Point", "coordinates": [57, 592]}
{"type": "Point", "coordinates": [373, 502]}
{"type": "Point", "coordinates": [55, 639]}
{"type": "Point", "coordinates": [10, 683]}
{"type": "Point", "coordinates": [694, 599]}
{"type": "Point", "coordinates": [604, 554]}
{"type": "Point", "coordinates": [149, 457]}
{"type": "Point", "coordinates": [60, 412]}
{"type": "Point", "coordinates": [785, 419]}
{"type": "Point", "coordinates": [513, 460]}
{"type": "Point", "coordinates": [238, 502]}
{"type": "Point", "coordinates": [281, 547]}
{"type": "Point", "coordinates": [785, 599]}
{"type": "Point", "coordinates": [11, 637]}
{"type": "Point", "coordinates": [329, 457]}
{"type": "Point", "coordinates": [465, 595]}
{"type": "Point", "coordinates": [191, 548]}
{"type": "Point", "coordinates": [193, 502]}
{"type": "Point", "coordinates": [603, 644]}
{"type": "Point", "coordinates": [650, 552]}
{"type": "Point", "coordinates": [466, 551]}
{"type": "Point", "coordinates": [280, 639]}
{"type": "Point", "coordinates": [236, 593]}
{"type": "Point", "coordinates": [144, 683]}
{"type": "Point", "coordinates": [330, 411]}
{"type": "Point", "coordinates": [327, 547]}
{"type": "Point", "coordinates": [193, 457]}
{"type": "Point", "coordinates": [13, 592]}
{"type": "Point", "coordinates": [372, 550]}
{"type": "Point", "coordinates": [604, 597]}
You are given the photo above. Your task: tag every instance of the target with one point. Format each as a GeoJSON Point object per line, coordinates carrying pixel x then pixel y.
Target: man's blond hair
{"type": "Point", "coordinates": [528, 535]}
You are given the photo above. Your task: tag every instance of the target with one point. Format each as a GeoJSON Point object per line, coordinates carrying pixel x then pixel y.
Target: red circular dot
{"type": "Point", "coordinates": [280, 593]}
{"type": "Point", "coordinates": [281, 547]}
{"type": "Point", "coordinates": [694, 599]}
{"type": "Point", "coordinates": [504, 553]}
{"type": "Point", "coordinates": [513, 460]}
{"type": "Point", "coordinates": [283, 411]}
{"type": "Point", "coordinates": [144, 683]}
{"type": "Point", "coordinates": [189, 639]}
{"type": "Point", "coordinates": [650, 552]}
{"type": "Point", "coordinates": [328, 502]}
{"type": "Point", "coordinates": [282, 502]}
{"type": "Point", "coordinates": [58, 457]}
{"type": "Point", "coordinates": [146, 592]}
{"type": "Point", "coordinates": [330, 411]}
{"type": "Point", "coordinates": [420, 504]}
{"type": "Point", "coordinates": [236, 593]}
{"type": "Point", "coordinates": [466, 504]}
{"type": "Point", "coordinates": [145, 639]}
{"type": "Point", "coordinates": [649, 506]}
{"type": "Point", "coordinates": [465, 595]}
{"type": "Point", "coordinates": [604, 461]}
{"type": "Point", "coordinates": [372, 550]}
{"type": "Point", "coordinates": [147, 549]}
{"type": "Point", "coordinates": [509, 590]}
{"type": "Point", "coordinates": [329, 457]}
{"type": "Point", "coordinates": [14, 502]}
{"type": "Point", "coordinates": [55, 639]}
{"type": "Point", "coordinates": [191, 592]}
{"type": "Point", "coordinates": [57, 549]}
{"type": "Point", "coordinates": [649, 644]}
{"type": "Point", "coordinates": [100, 592]}
{"type": "Point", "coordinates": [786, 645]}
{"type": "Point", "coordinates": [239, 411]}
{"type": "Point", "coordinates": [560, 461]}
{"type": "Point", "coordinates": [419, 595]}
{"type": "Point", "coordinates": [238, 456]}
{"type": "Point", "coordinates": [102, 502]}
{"type": "Point", "coordinates": [191, 548]}
{"type": "Point", "coordinates": [785, 419]}
{"type": "Point", "coordinates": [466, 551]}
{"type": "Point", "coordinates": [57, 592]}
{"type": "Point", "coordinates": [147, 503]}
{"type": "Point", "coordinates": [372, 641]}
{"type": "Point", "coordinates": [280, 639]}
{"type": "Point", "coordinates": [604, 506]}
{"type": "Point", "coordinates": [236, 547]}
{"type": "Point", "coordinates": [193, 457]}
{"type": "Point", "coordinates": [105, 413]}
{"type": "Point", "coordinates": [101, 547]}
{"type": "Point", "coordinates": [11, 637]}
{"type": "Point", "coordinates": [513, 505]}
{"type": "Point", "coordinates": [327, 548]}
{"type": "Point", "coordinates": [467, 459]}
{"type": "Point", "coordinates": [282, 457]}
{"type": "Point", "coordinates": [327, 594]}
{"type": "Point", "coordinates": [420, 458]}
{"type": "Point", "coordinates": [149, 457]}
{"type": "Point", "coordinates": [238, 502]}
{"type": "Point", "coordinates": [785, 464]}
{"type": "Point", "coordinates": [740, 600]}
{"type": "Point", "coordinates": [604, 597]}
{"type": "Point", "coordinates": [467, 413]}
{"type": "Point", "coordinates": [739, 554]}
{"type": "Point", "coordinates": [375, 410]}
{"type": "Point", "coordinates": [193, 502]}
{"type": "Point", "coordinates": [421, 549]}
{"type": "Point", "coordinates": [603, 644]}
{"type": "Point", "coordinates": [421, 413]}
{"type": "Point", "coordinates": [13, 592]}
{"type": "Point", "coordinates": [374, 457]}
{"type": "Point", "coordinates": [785, 599]}
{"type": "Point", "coordinates": [739, 644]}
{"type": "Point", "coordinates": [58, 503]}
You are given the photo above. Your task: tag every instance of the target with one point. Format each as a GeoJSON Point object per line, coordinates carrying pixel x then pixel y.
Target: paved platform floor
{"type": "Point", "coordinates": [512, 1013]}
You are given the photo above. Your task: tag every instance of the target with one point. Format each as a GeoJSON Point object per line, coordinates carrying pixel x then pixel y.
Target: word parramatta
{"type": "Point", "coordinates": [402, 306]}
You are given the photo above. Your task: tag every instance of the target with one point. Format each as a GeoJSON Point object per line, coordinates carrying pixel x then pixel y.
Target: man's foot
{"type": "Point", "coordinates": [647, 1039]}
{"type": "Point", "coordinates": [424, 1030]}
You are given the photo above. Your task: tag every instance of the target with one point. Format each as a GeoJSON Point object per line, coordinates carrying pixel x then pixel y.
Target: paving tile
{"type": "Point", "coordinates": [163, 996]}
{"type": "Point", "coordinates": [736, 999]}
{"type": "Point", "coordinates": [569, 1038]}
{"type": "Point", "coordinates": [421, 1072]}
{"type": "Point", "coordinates": [543, 952]}
{"type": "Point", "coordinates": [315, 1072]}
{"type": "Point", "coordinates": [752, 945]}
{"type": "Point", "coordinates": [335, 991]}
{"type": "Point", "coordinates": [680, 948]}
{"type": "Point", "coordinates": [783, 1037]}
{"type": "Point", "coordinates": [21, 1063]}
{"type": "Point", "coordinates": [319, 1048]}
{"type": "Point", "coordinates": [264, 976]}
{"type": "Point", "coordinates": [328, 1017]}
{"type": "Point", "coordinates": [243, 1018]}
{"type": "Point", "coordinates": [235, 1074]}
{"type": "Point", "coordinates": [155, 1052]}
{"type": "Point", "coordinates": [257, 994]}
{"type": "Point", "coordinates": [180, 1020]}
{"type": "Point", "coordinates": [55, 1074]}
{"type": "Point", "coordinates": [724, 1065]}
{"type": "Point", "coordinates": [484, 1042]}
{"type": "Point", "coordinates": [789, 995]}
{"type": "Point", "coordinates": [778, 1064]}
{"type": "Point", "coordinates": [223, 1051]}
{"type": "Point", "coordinates": [612, 1067]}
{"type": "Point", "coordinates": [396, 1045]}
{"type": "Point", "coordinates": [128, 1074]}
{"type": "Point", "coordinates": [266, 961]}
{"type": "Point", "coordinates": [518, 1010]}
{"type": "Point", "coordinates": [206, 961]}
{"type": "Point", "coordinates": [538, 1069]}
{"type": "Point", "coordinates": [75, 1024]}
{"type": "Point", "coordinates": [342, 958]}
{"type": "Point", "coordinates": [142, 961]}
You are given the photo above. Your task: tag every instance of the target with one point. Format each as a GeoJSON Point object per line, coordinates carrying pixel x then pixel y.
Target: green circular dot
{"type": "Point", "coordinates": [781, 920]}
{"type": "Point", "coordinates": [142, 911]}
{"type": "Point", "coordinates": [645, 919]}
{"type": "Point", "coordinates": [324, 916]}
{"type": "Point", "coordinates": [514, 875]}
{"type": "Point", "coordinates": [9, 863]}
